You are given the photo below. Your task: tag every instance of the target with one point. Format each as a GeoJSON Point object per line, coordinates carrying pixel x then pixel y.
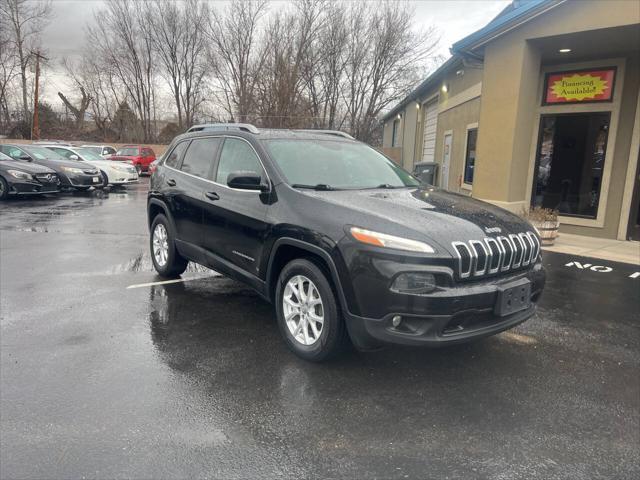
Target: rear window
{"type": "Point", "coordinates": [176, 154]}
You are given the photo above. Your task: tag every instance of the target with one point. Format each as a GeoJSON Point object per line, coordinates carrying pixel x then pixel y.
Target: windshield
{"type": "Point", "coordinates": [336, 165]}
{"type": "Point", "coordinates": [43, 153]}
{"type": "Point", "coordinates": [128, 152]}
{"type": "Point", "coordinates": [88, 154]}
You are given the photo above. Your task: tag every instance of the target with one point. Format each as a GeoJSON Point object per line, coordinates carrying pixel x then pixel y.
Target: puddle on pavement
{"type": "Point", "coordinates": [142, 263]}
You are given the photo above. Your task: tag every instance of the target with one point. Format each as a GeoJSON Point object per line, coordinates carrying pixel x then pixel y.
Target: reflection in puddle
{"type": "Point", "coordinates": [142, 263]}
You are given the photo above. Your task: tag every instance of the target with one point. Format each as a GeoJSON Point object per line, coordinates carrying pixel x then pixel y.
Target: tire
{"type": "Point", "coordinates": [174, 264]}
{"type": "Point", "coordinates": [105, 179]}
{"type": "Point", "coordinates": [312, 345]}
{"type": "Point", "coordinates": [139, 169]}
{"type": "Point", "coordinates": [4, 189]}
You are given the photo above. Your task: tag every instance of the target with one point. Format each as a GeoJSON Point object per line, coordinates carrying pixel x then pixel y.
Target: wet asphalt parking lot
{"type": "Point", "coordinates": [105, 376]}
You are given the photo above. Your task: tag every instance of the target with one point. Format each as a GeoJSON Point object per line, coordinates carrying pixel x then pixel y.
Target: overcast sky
{"type": "Point", "coordinates": [64, 37]}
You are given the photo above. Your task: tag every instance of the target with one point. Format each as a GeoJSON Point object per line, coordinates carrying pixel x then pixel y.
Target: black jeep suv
{"type": "Point", "coordinates": [343, 241]}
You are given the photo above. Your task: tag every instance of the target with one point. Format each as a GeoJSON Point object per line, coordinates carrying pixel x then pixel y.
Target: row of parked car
{"type": "Point", "coordinates": [51, 167]}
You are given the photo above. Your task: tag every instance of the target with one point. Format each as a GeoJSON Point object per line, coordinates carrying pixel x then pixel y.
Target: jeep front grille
{"type": "Point", "coordinates": [489, 256]}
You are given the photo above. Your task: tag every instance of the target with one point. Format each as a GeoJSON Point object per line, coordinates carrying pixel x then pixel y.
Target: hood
{"type": "Point", "coordinates": [58, 164]}
{"type": "Point", "coordinates": [28, 167]}
{"type": "Point", "coordinates": [437, 214]}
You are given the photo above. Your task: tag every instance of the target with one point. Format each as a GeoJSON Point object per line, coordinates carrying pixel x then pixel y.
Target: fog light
{"type": "Point", "coordinates": [414, 283]}
{"type": "Point", "coordinates": [395, 321]}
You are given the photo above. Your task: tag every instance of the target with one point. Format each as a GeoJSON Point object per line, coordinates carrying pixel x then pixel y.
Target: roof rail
{"type": "Point", "coordinates": [337, 133]}
{"type": "Point", "coordinates": [245, 127]}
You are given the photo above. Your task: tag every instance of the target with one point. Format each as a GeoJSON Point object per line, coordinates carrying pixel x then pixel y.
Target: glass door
{"type": "Point", "coordinates": [570, 163]}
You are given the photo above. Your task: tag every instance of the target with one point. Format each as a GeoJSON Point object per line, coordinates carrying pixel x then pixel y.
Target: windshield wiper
{"type": "Point", "coordinates": [387, 185]}
{"type": "Point", "coordinates": [320, 186]}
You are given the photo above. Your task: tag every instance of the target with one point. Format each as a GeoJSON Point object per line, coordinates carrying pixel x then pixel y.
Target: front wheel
{"type": "Point", "coordinates": [308, 313]}
{"type": "Point", "coordinates": [139, 169]}
{"type": "Point", "coordinates": [164, 255]}
{"type": "Point", "coordinates": [4, 189]}
{"type": "Point", "coordinates": [105, 179]}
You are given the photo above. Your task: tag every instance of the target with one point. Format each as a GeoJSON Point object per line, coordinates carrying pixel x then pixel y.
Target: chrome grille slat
{"type": "Point", "coordinates": [518, 253]}
{"type": "Point", "coordinates": [476, 268]}
{"type": "Point", "coordinates": [491, 255]}
{"type": "Point", "coordinates": [489, 241]}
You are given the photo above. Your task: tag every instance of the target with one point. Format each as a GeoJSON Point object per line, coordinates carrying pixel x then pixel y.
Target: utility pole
{"type": "Point", "coordinates": [35, 127]}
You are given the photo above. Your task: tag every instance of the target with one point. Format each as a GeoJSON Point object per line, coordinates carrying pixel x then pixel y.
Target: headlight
{"type": "Point", "coordinates": [389, 241]}
{"type": "Point", "coordinates": [19, 174]}
{"type": "Point", "coordinates": [72, 170]}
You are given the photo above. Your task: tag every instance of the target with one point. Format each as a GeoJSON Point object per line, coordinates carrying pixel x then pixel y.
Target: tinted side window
{"type": "Point", "coordinates": [237, 155]}
{"type": "Point", "coordinates": [108, 151]}
{"type": "Point", "coordinates": [175, 155]}
{"type": "Point", "coordinates": [199, 157]}
{"type": "Point", "coordinates": [63, 152]}
{"type": "Point", "coordinates": [13, 152]}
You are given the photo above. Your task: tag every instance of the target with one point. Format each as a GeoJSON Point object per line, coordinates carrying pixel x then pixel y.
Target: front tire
{"type": "Point", "coordinates": [105, 179]}
{"type": "Point", "coordinates": [4, 189]}
{"type": "Point", "coordinates": [164, 255]}
{"type": "Point", "coordinates": [308, 313]}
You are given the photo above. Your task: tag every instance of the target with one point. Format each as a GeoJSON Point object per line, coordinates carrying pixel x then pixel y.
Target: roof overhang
{"type": "Point", "coordinates": [472, 44]}
{"type": "Point", "coordinates": [418, 92]}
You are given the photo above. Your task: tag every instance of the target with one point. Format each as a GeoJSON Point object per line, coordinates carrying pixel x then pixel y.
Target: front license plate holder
{"type": "Point", "coordinates": [513, 297]}
{"type": "Point", "coordinates": [96, 179]}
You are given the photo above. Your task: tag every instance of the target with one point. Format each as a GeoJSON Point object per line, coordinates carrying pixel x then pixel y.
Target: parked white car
{"type": "Point", "coordinates": [113, 173]}
{"type": "Point", "coordinates": [103, 150]}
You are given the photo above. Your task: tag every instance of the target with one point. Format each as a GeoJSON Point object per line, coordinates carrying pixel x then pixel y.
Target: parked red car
{"type": "Point", "coordinates": [138, 155]}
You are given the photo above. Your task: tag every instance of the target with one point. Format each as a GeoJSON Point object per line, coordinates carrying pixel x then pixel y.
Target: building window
{"type": "Point", "coordinates": [470, 155]}
{"type": "Point", "coordinates": [570, 163]}
{"type": "Point", "coordinates": [394, 133]}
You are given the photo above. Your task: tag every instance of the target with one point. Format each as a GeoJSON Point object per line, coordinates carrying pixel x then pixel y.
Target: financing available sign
{"type": "Point", "coordinates": [579, 86]}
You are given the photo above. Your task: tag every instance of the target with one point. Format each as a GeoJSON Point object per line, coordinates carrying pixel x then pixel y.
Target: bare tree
{"type": "Point", "coordinates": [288, 53]}
{"type": "Point", "coordinates": [9, 70]}
{"type": "Point", "coordinates": [234, 55]}
{"type": "Point", "coordinates": [25, 19]}
{"type": "Point", "coordinates": [385, 60]}
{"type": "Point", "coordinates": [79, 111]}
{"type": "Point", "coordinates": [122, 37]}
{"type": "Point", "coordinates": [178, 35]}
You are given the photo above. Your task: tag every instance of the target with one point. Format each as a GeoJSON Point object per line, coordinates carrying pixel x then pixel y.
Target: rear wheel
{"type": "Point", "coordinates": [4, 189]}
{"type": "Point", "coordinates": [308, 313]}
{"type": "Point", "coordinates": [166, 259]}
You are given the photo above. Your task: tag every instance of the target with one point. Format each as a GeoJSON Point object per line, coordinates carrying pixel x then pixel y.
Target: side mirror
{"type": "Point", "coordinates": [74, 157]}
{"type": "Point", "coordinates": [246, 180]}
{"type": "Point", "coordinates": [24, 157]}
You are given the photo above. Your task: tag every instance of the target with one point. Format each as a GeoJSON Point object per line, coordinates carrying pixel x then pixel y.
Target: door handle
{"type": "Point", "coordinates": [171, 182]}
{"type": "Point", "coordinates": [212, 195]}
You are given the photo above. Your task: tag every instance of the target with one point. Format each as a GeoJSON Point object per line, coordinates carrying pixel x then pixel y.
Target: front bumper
{"type": "Point", "coordinates": [453, 313]}
{"type": "Point", "coordinates": [85, 181]}
{"type": "Point", "coordinates": [28, 187]}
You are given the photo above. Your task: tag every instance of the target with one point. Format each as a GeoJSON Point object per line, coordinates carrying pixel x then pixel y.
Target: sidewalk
{"type": "Point", "coordinates": [614, 250]}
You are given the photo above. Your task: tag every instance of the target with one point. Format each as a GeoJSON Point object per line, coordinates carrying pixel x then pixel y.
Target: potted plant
{"type": "Point", "coordinates": [546, 222]}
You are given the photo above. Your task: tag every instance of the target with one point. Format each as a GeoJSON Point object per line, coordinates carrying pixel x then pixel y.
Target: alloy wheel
{"type": "Point", "coordinates": [160, 245]}
{"type": "Point", "coordinates": [303, 310]}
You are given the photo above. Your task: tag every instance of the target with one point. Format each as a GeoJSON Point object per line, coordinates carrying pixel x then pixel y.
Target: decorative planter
{"type": "Point", "coordinates": [548, 231]}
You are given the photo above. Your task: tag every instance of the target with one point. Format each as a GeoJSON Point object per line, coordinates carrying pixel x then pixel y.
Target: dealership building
{"type": "Point", "coordinates": [538, 108]}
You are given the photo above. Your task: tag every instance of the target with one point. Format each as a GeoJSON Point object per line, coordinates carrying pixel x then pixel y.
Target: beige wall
{"type": "Point", "coordinates": [456, 120]}
{"type": "Point", "coordinates": [510, 110]}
